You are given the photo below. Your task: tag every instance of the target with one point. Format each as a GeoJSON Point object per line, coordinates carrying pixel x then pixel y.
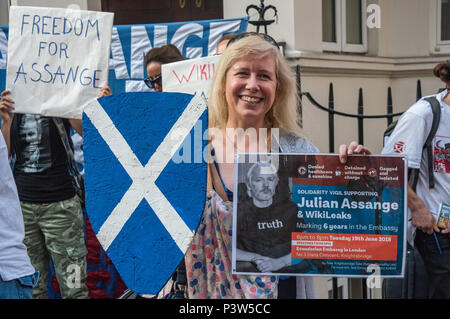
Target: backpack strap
{"type": "Point", "coordinates": [213, 178]}
{"type": "Point", "coordinates": [436, 108]}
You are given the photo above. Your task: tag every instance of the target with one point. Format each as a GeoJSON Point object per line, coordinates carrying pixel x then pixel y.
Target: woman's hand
{"type": "Point", "coordinates": [104, 91]}
{"type": "Point", "coordinates": [6, 107]}
{"type": "Point", "coordinates": [352, 148]}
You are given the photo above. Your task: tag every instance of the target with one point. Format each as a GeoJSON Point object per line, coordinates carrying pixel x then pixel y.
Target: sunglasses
{"type": "Point", "coordinates": [263, 36]}
{"type": "Point", "coordinates": [151, 82]}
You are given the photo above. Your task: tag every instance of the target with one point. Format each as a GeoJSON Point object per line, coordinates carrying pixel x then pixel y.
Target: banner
{"type": "Point", "coordinates": [130, 44]}
{"type": "Point", "coordinates": [57, 59]}
{"type": "Point", "coordinates": [312, 215]}
{"type": "Point", "coordinates": [3, 55]}
{"type": "Point", "coordinates": [190, 76]}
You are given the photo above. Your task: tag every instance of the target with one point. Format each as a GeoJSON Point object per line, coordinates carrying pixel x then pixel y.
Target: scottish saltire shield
{"type": "Point", "coordinates": [145, 180]}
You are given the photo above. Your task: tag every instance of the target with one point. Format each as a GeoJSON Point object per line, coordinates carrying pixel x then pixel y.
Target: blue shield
{"type": "Point", "coordinates": [145, 180]}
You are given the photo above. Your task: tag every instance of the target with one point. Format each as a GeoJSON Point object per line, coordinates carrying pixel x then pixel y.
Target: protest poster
{"type": "Point", "coordinates": [189, 76]}
{"type": "Point", "coordinates": [308, 214]}
{"type": "Point", "coordinates": [57, 59]}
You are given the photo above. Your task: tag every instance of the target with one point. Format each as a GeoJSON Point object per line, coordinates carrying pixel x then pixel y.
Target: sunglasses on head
{"type": "Point", "coordinates": [263, 36]}
{"type": "Point", "coordinates": [151, 82]}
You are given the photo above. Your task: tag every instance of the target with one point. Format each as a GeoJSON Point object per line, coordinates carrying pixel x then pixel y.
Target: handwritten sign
{"type": "Point", "coordinates": [57, 59]}
{"type": "Point", "coordinates": [189, 76]}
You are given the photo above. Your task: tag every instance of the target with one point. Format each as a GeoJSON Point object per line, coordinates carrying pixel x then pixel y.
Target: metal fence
{"type": "Point", "coordinates": [359, 109]}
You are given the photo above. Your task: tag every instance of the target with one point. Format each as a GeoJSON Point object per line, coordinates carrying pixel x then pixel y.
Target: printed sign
{"type": "Point", "coordinates": [143, 202]}
{"type": "Point", "coordinates": [57, 59]}
{"type": "Point", "coordinates": [311, 215]}
{"type": "Point", "coordinates": [443, 215]}
{"type": "Point", "coordinates": [189, 76]}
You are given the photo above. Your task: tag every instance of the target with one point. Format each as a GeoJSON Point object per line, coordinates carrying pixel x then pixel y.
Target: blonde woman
{"type": "Point", "coordinates": [252, 108]}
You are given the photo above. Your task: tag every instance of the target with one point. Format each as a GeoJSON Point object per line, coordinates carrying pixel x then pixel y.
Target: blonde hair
{"type": "Point", "coordinates": [284, 113]}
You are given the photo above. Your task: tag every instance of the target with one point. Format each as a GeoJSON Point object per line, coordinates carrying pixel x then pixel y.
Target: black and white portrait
{"type": "Point", "coordinates": [36, 147]}
{"type": "Point", "coordinates": [265, 221]}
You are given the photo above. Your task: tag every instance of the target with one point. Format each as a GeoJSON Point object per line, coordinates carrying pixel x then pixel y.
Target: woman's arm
{"type": "Point", "coordinates": [77, 126]}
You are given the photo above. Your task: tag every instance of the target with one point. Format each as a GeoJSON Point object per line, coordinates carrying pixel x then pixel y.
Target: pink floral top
{"type": "Point", "coordinates": [208, 260]}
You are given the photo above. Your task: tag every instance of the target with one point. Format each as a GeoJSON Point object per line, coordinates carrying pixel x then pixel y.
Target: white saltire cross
{"type": "Point", "coordinates": [144, 178]}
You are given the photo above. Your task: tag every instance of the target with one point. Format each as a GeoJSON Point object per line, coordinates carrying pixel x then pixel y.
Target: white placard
{"type": "Point", "coordinates": [57, 59]}
{"type": "Point", "coordinates": [189, 76]}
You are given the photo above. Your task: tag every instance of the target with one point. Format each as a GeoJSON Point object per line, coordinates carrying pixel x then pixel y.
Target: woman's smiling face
{"type": "Point", "coordinates": [250, 90]}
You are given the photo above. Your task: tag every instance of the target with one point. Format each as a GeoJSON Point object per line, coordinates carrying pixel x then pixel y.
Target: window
{"type": "Point", "coordinates": [342, 25]}
{"type": "Point", "coordinates": [443, 20]}
{"type": "Point", "coordinates": [440, 28]}
{"type": "Point", "coordinates": [342, 286]}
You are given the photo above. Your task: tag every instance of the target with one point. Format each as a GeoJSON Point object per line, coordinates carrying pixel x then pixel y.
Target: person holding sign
{"type": "Point", "coordinates": [51, 209]}
{"type": "Point", "coordinates": [153, 61]}
{"type": "Point", "coordinates": [223, 42]}
{"type": "Point", "coordinates": [253, 97]}
{"type": "Point", "coordinates": [425, 200]}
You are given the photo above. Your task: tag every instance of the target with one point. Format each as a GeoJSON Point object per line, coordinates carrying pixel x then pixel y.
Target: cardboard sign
{"type": "Point", "coordinates": [189, 76]}
{"type": "Point", "coordinates": [57, 59]}
{"type": "Point", "coordinates": [143, 200]}
{"type": "Point", "coordinates": [312, 215]}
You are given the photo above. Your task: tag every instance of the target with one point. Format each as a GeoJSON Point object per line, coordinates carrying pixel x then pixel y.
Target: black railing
{"type": "Point", "coordinates": [360, 111]}
{"type": "Point", "coordinates": [261, 10]}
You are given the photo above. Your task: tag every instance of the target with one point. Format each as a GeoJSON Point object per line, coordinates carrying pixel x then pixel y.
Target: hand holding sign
{"type": "Point", "coordinates": [48, 66]}
{"type": "Point", "coordinates": [6, 107]}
